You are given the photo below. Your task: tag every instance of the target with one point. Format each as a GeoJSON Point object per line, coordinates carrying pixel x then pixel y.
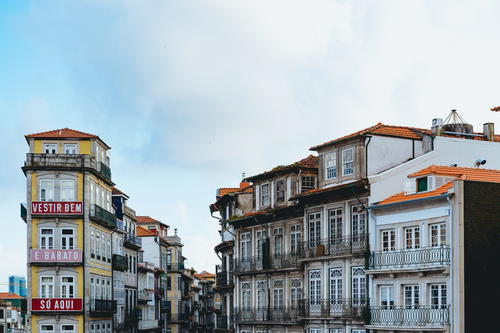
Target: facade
{"type": "Point", "coordinates": [203, 304]}
{"type": "Point", "coordinates": [70, 221]}
{"type": "Point", "coordinates": [12, 313]}
{"type": "Point", "coordinates": [342, 237]}
{"type": "Point", "coordinates": [429, 248]}
{"type": "Point", "coordinates": [17, 285]}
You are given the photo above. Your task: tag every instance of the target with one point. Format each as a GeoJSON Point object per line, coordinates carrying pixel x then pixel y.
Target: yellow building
{"type": "Point", "coordinates": [70, 221]}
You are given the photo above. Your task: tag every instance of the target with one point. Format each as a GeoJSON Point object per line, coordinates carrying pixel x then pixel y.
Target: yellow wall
{"type": "Point", "coordinates": [35, 327]}
{"type": "Point", "coordinates": [84, 145]}
{"type": "Point", "coordinates": [36, 280]}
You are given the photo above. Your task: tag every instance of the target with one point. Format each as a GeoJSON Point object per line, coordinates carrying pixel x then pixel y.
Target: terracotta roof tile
{"type": "Point", "coordinates": [63, 133]}
{"type": "Point", "coordinates": [146, 219]}
{"type": "Point", "coordinates": [496, 109]}
{"type": "Point", "coordinates": [381, 129]}
{"type": "Point", "coordinates": [142, 232]}
{"type": "Point", "coordinates": [310, 162]}
{"type": "Point", "coordinates": [401, 197]}
{"type": "Point", "coordinates": [10, 296]}
{"type": "Point", "coordinates": [226, 190]}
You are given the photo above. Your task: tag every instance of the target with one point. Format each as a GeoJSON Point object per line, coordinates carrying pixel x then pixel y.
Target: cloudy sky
{"type": "Point", "coordinates": [190, 94]}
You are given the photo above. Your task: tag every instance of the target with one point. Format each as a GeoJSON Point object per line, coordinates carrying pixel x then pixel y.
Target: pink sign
{"type": "Point", "coordinates": [56, 304]}
{"type": "Point", "coordinates": [57, 208]}
{"type": "Point", "coordinates": [37, 255]}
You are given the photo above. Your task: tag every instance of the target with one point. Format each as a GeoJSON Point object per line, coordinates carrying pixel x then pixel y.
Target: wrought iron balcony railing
{"type": "Point", "coordinates": [175, 267]}
{"type": "Point", "coordinates": [410, 316]}
{"type": "Point", "coordinates": [119, 262]}
{"type": "Point", "coordinates": [273, 314]}
{"type": "Point", "coordinates": [421, 257]}
{"type": "Point", "coordinates": [102, 216]}
{"type": "Point", "coordinates": [145, 296]}
{"type": "Point", "coordinates": [104, 170]}
{"type": "Point", "coordinates": [132, 241]}
{"type": "Point", "coordinates": [221, 322]}
{"type": "Point", "coordinates": [176, 317]}
{"type": "Point", "coordinates": [102, 307]}
{"type": "Point", "coordinates": [258, 263]}
{"type": "Point", "coordinates": [335, 247]}
{"type": "Point", "coordinates": [334, 308]}
{"type": "Point", "coordinates": [224, 279]}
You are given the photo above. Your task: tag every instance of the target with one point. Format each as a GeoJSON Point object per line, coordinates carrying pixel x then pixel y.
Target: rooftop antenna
{"type": "Point", "coordinates": [454, 118]}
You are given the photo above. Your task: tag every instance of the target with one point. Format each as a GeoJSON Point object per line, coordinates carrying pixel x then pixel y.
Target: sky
{"type": "Point", "coordinates": [191, 94]}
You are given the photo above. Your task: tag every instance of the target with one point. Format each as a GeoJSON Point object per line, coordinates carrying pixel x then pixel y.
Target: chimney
{"type": "Point", "coordinates": [175, 230]}
{"type": "Point", "coordinates": [244, 184]}
{"type": "Point", "coordinates": [489, 131]}
{"type": "Point", "coordinates": [437, 126]}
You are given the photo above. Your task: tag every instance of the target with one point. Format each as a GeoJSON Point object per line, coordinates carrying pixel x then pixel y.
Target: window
{"type": "Point", "coordinates": [295, 238]}
{"type": "Point", "coordinates": [46, 190]}
{"type": "Point", "coordinates": [47, 287]}
{"type": "Point", "coordinates": [422, 184]}
{"type": "Point", "coordinates": [331, 165]}
{"type": "Point", "coordinates": [335, 285]}
{"type": "Point", "coordinates": [438, 296]}
{"type": "Point", "coordinates": [280, 191]}
{"type": "Point", "coordinates": [47, 328]}
{"type": "Point", "coordinates": [246, 295]}
{"type": "Point", "coordinates": [386, 297]}
{"type": "Point", "coordinates": [336, 330]}
{"type": "Point", "coordinates": [314, 228]}
{"type": "Point", "coordinates": [335, 217]}
{"type": "Point", "coordinates": [358, 218]}
{"type": "Point", "coordinates": [278, 240]}
{"type": "Point", "coordinates": [246, 245]}
{"type": "Point", "coordinates": [438, 234]}
{"type": "Point", "coordinates": [278, 297]}
{"type": "Point", "coordinates": [98, 244]}
{"type": "Point", "coordinates": [347, 162]}
{"type": "Point", "coordinates": [46, 238]}
{"type": "Point", "coordinates": [67, 238]}
{"type": "Point", "coordinates": [388, 240]}
{"type": "Point", "coordinates": [70, 148]}
{"type": "Point", "coordinates": [315, 330]}
{"type": "Point", "coordinates": [67, 287]}
{"type": "Point", "coordinates": [169, 283]}
{"type": "Point", "coordinates": [50, 148]}
{"type": "Point", "coordinates": [308, 183]}
{"type": "Point", "coordinates": [260, 237]}
{"type": "Point", "coordinates": [67, 190]}
{"type": "Point", "coordinates": [412, 238]}
{"type": "Point", "coordinates": [358, 285]}
{"type": "Point", "coordinates": [295, 292]}
{"type": "Point", "coordinates": [315, 287]}
{"type": "Point", "coordinates": [2, 313]}
{"type": "Point", "coordinates": [412, 296]}
{"type": "Point", "coordinates": [264, 196]}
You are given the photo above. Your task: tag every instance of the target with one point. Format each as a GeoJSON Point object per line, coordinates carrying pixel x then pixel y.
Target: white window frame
{"type": "Point", "coordinates": [411, 296]}
{"type": "Point", "coordinates": [246, 245]}
{"type": "Point", "coordinates": [388, 237]}
{"type": "Point", "coordinates": [330, 165]}
{"type": "Point", "coordinates": [71, 148]}
{"type": "Point", "coordinates": [278, 241]}
{"type": "Point", "coordinates": [295, 237]}
{"type": "Point", "coordinates": [66, 330]}
{"type": "Point", "coordinates": [437, 234]}
{"type": "Point", "coordinates": [278, 298]}
{"type": "Point", "coordinates": [386, 296]}
{"type": "Point", "coordinates": [47, 289]}
{"type": "Point", "coordinates": [438, 295]}
{"type": "Point", "coordinates": [358, 282]}
{"type": "Point", "coordinates": [48, 191]}
{"type": "Point", "coordinates": [359, 222]}
{"type": "Point", "coordinates": [347, 164]}
{"type": "Point", "coordinates": [412, 237]}
{"type": "Point", "coordinates": [335, 223]}
{"type": "Point", "coordinates": [265, 198]}
{"type": "Point", "coordinates": [44, 328]}
{"type": "Point", "coordinates": [314, 287]}
{"type": "Point", "coordinates": [48, 238]}
{"type": "Point", "coordinates": [68, 289]}
{"type": "Point", "coordinates": [335, 285]}
{"type": "Point", "coordinates": [67, 190]}
{"type": "Point", "coordinates": [70, 240]}
{"type": "Point", "coordinates": [314, 228]}
{"type": "Point", "coordinates": [52, 145]}
{"type": "Point", "coordinates": [277, 199]}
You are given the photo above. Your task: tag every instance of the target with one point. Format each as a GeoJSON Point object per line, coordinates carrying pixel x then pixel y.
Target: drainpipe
{"type": "Point", "coordinates": [367, 142]}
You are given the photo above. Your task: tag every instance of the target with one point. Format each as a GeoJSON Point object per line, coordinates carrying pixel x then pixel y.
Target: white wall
{"type": "Point", "coordinates": [151, 250]}
{"type": "Point", "coordinates": [447, 151]}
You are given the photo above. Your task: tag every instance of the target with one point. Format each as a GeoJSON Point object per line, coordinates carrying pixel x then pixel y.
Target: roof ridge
{"type": "Point", "coordinates": [61, 129]}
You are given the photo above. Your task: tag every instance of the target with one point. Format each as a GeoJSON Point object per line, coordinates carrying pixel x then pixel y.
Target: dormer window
{"type": "Point", "coordinates": [347, 162]}
{"type": "Point", "coordinates": [280, 191]}
{"type": "Point", "coordinates": [264, 196]}
{"type": "Point", "coordinates": [50, 148]}
{"type": "Point", "coordinates": [331, 165]}
{"type": "Point", "coordinates": [307, 183]}
{"type": "Point", "coordinates": [422, 184]}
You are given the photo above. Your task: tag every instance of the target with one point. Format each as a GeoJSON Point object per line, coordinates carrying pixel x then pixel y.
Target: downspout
{"type": "Point", "coordinates": [366, 155]}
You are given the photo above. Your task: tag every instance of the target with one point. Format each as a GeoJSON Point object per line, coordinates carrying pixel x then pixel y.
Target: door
{"type": "Point", "coordinates": [336, 302]}
{"type": "Point", "coordinates": [314, 292]}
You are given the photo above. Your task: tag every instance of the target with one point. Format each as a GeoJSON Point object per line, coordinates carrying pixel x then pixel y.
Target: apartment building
{"type": "Point", "coordinates": [17, 285]}
{"type": "Point", "coordinates": [203, 307]}
{"type": "Point", "coordinates": [268, 274]}
{"type": "Point", "coordinates": [70, 221]}
{"type": "Point", "coordinates": [429, 263]}
{"type": "Point", "coordinates": [229, 202]}
{"type": "Point", "coordinates": [12, 312]}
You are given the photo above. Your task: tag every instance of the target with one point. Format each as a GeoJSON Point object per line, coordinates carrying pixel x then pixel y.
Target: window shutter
{"type": "Point", "coordinates": [257, 197]}
{"type": "Point", "coordinates": [431, 183]}
{"type": "Point", "coordinates": [410, 186]}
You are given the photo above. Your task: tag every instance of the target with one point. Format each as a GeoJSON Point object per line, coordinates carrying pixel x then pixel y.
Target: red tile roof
{"type": "Point", "coordinates": [114, 190]}
{"type": "Point", "coordinates": [473, 174]}
{"type": "Point", "coordinates": [10, 296]}
{"type": "Point", "coordinates": [146, 219]}
{"type": "Point", "coordinates": [496, 109]}
{"type": "Point", "coordinates": [142, 232]}
{"type": "Point", "coordinates": [381, 129]}
{"type": "Point", "coordinates": [66, 133]}
{"type": "Point", "coordinates": [310, 162]}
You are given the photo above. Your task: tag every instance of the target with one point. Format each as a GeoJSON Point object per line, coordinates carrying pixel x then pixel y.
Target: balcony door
{"type": "Point", "coordinates": [358, 286]}
{"type": "Point", "coordinates": [314, 292]}
{"type": "Point", "coordinates": [314, 222]}
{"type": "Point", "coordinates": [359, 229]}
{"type": "Point", "coordinates": [387, 297]}
{"type": "Point", "coordinates": [335, 225]}
{"type": "Point", "coordinates": [246, 250]}
{"type": "Point", "coordinates": [335, 290]}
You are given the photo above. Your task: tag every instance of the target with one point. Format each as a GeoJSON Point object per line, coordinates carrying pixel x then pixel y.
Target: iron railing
{"type": "Point", "coordinates": [174, 267]}
{"type": "Point", "coordinates": [335, 308]}
{"type": "Point", "coordinates": [102, 216]}
{"type": "Point", "coordinates": [221, 322]}
{"type": "Point", "coordinates": [104, 170]}
{"type": "Point", "coordinates": [102, 306]}
{"type": "Point", "coordinates": [171, 317]}
{"type": "Point", "coordinates": [131, 240]}
{"type": "Point", "coordinates": [426, 256]}
{"type": "Point", "coordinates": [410, 316]}
{"type": "Point", "coordinates": [339, 246]}
{"type": "Point", "coordinates": [274, 261]}
{"type": "Point", "coordinates": [275, 314]}
{"type": "Point", "coordinates": [145, 296]}
{"type": "Point", "coordinates": [224, 279]}
{"type": "Point", "coordinates": [119, 262]}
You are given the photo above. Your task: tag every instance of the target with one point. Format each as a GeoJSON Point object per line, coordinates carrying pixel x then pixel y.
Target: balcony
{"type": "Point", "coordinates": [147, 324]}
{"type": "Point", "coordinates": [145, 296]}
{"type": "Point", "coordinates": [24, 212]}
{"type": "Point", "coordinates": [422, 259]}
{"type": "Point", "coordinates": [119, 263]}
{"type": "Point", "coordinates": [224, 279]}
{"type": "Point", "coordinates": [282, 316]}
{"type": "Point", "coordinates": [102, 307]}
{"type": "Point", "coordinates": [104, 170]}
{"type": "Point", "coordinates": [41, 257]}
{"type": "Point", "coordinates": [175, 267]}
{"type": "Point", "coordinates": [177, 317]}
{"type": "Point", "coordinates": [285, 261]}
{"type": "Point", "coordinates": [103, 217]}
{"type": "Point", "coordinates": [411, 318]}
{"type": "Point", "coordinates": [334, 308]}
{"type": "Point", "coordinates": [164, 306]}
{"type": "Point", "coordinates": [67, 162]}
{"type": "Point", "coordinates": [335, 247]}
{"type": "Point", "coordinates": [221, 323]}
{"type": "Point", "coordinates": [132, 241]}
